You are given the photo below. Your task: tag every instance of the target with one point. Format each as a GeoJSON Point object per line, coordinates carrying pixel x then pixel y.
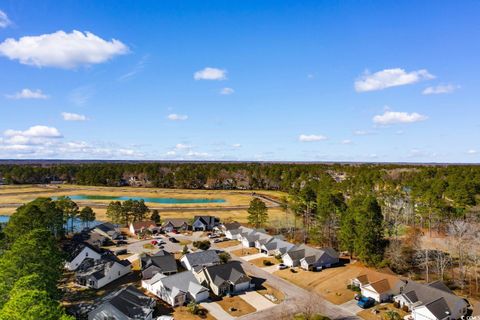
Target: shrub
{"type": "Point", "coordinates": [405, 308]}
{"type": "Point", "coordinates": [193, 307]}
{"type": "Point", "coordinates": [267, 263]}
{"type": "Point", "coordinates": [293, 271]}
{"type": "Point", "coordinates": [224, 257]}
{"type": "Point", "coordinates": [202, 245]}
{"type": "Point", "coordinates": [396, 304]}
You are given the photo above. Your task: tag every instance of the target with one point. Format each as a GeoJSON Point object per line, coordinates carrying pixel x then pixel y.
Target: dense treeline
{"type": "Point", "coordinates": [31, 262]}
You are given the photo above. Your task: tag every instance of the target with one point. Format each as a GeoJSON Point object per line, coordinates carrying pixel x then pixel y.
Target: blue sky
{"type": "Point", "coordinates": [240, 80]}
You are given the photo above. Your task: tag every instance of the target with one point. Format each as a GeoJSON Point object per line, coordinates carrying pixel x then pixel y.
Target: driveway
{"type": "Point", "coordinates": [270, 269]}
{"type": "Point", "coordinates": [216, 311]}
{"type": "Point", "coordinates": [254, 256]}
{"type": "Point", "coordinates": [230, 249]}
{"type": "Point", "coordinates": [257, 301]}
{"type": "Point", "coordinates": [351, 306]}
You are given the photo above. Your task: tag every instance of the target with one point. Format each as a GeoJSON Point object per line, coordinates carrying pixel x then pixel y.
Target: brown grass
{"type": "Point", "coordinates": [182, 313]}
{"type": "Point", "coordinates": [268, 289]}
{"type": "Point", "coordinates": [241, 306]}
{"type": "Point", "coordinates": [330, 283]}
{"type": "Point", "coordinates": [383, 308]}
{"type": "Point", "coordinates": [245, 252]}
{"type": "Point", "coordinates": [259, 262]}
{"type": "Point", "coordinates": [226, 244]}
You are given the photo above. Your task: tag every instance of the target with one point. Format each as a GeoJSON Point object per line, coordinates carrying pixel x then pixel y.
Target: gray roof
{"type": "Point", "coordinates": [207, 220]}
{"type": "Point", "coordinates": [439, 308]}
{"type": "Point", "coordinates": [97, 268]}
{"type": "Point", "coordinates": [166, 263]}
{"type": "Point", "coordinates": [131, 302]}
{"type": "Point", "coordinates": [176, 222]}
{"type": "Point", "coordinates": [179, 282]}
{"type": "Point", "coordinates": [230, 272]}
{"type": "Point", "coordinates": [423, 294]}
{"type": "Point", "coordinates": [231, 226]}
{"type": "Point", "coordinates": [202, 258]}
{"type": "Point", "coordinates": [277, 244]}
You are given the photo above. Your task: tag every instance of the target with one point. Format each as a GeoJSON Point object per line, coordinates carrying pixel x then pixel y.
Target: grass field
{"type": "Point", "coordinates": [235, 205]}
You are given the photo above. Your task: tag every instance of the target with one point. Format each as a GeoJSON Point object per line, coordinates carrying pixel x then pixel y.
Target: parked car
{"type": "Point", "coordinates": [154, 242]}
{"type": "Point", "coordinates": [160, 242]}
{"type": "Point", "coordinates": [172, 239]}
{"type": "Point", "coordinates": [175, 231]}
{"type": "Point", "coordinates": [120, 252]}
{"type": "Point", "coordinates": [365, 302]}
{"type": "Point", "coordinates": [213, 236]}
{"type": "Point", "coordinates": [281, 266]}
{"type": "Point", "coordinates": [217, 240]}
{"type": "Point", "coordinates": [121, 243]}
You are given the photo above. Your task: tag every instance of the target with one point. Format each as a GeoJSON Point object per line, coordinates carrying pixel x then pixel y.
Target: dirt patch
{"type": "Point", "coordinates": [330, 283]}
{"type": "Point", "coordinates": [245, 252]}
{"type": "Point", "coordinates": [182, 313]}
{"type": "Point", "coordinates": [240, 306]}
{"type": "Point", "coordinates": [260, 261]}
{"type": "Point", "coordinates": [267, 289]}
{"type": "Point", "coordinates": [379, 312]}
{"type": "Point", "coordinates": [226, 244]}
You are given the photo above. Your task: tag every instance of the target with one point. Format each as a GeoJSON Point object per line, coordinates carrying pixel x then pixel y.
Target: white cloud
{"type": "Point", "coordinates": [390, 78]}
{"type": "Point", "coordinates": [361, 132]}
{"type": "Point", "coordinates": [440, 89]}
{"type": "Point", "coordinates": [181, 146]}
{"type": "Point", "coordinates": [62, 50]}
{"type": "Point", "coordinates": [236, 145]}
{"type": "Point", "coordinates": [347, 141]}
{"type": "Point", "coordinates": [4, 21]}
{"type": "Point", "coordinates": [139, 66]}
{"type": "Point", "coordinates": [227, 91]}
{"type": "Point", "coordinates": [67, 116]}
{"type": "Point", "coordinates": [81, 95]}
{"type": "Point", "coordinates": [472, 151]}
{"type": "Point", "coordinates": [210, 74]}
{"type": "Point", "coordinates": [35, 131]}
{"type": "Point", "coordinates": [311, 138]}
{"type": "Point", "coordinates": [177, 117]}
{"type": "Point", "coordinates": [392, 117]}
{"type": "Point", "coordinates": [28, 94]}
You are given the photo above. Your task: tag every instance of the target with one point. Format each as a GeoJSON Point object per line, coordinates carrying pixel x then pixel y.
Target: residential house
{"type": "Point", "coordinates": [108, 230]}
{"type": "Point", "coordinates": [81, 252]}
{"type": "Point", "coordinates": [176, 289]}
{"type": "Point", "coordinates": [276, 247]}
{"type": "Point", "coordinates": [231, 230]}
{"type": "Point", "coordinates": [319, 258]}
{"type": "Point", "coordinates": [141, 226]}
{"type": "Point", "coordinates": [204, 223]}
{"type": "Point", "coordinates": [175, 224]}
{"type": "Point", "coordinates": [431, 301]}
{"type": "Point", "coordinates": [378, 286]}
{"type": "Point", "coordinates": [98, 273]}
{"type": "Point", "coordinates": [124, 304]}
{"type": "Point", "coordinates": [224, 279]}
{"type": "Point", "coordinates": [161, 262]}
{"type": "Point", "coordinates": [200, 259]}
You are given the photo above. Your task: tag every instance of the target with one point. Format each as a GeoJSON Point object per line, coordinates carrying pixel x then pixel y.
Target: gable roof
{"type": "Point", "coordinates": [143, 224]}
{"type": "Point", "coordinates": [207, 220]}
{"type": "Point", "coordinates": [425, 293]}
{"type": "Point", "coordinates": [439, 308]}
{"type": "Point", "coordinates": [381, 286]}
{"type": "Point", "coordinates": [131, 302]}
{"type": "Point", "coordinates": [179, 282]}
{"type": "Point", "coordinates": [176, 222]}
{"type": "Point", "coordinates": [98, 268]}
{"type": "Point", "coordinates": [106, 227]}
{"type": "Point", "coordinates": [79, 247]}
{"type": "Point", "coordinates": [202, 258]}
{"type": "Point", "coordinates": [231, 226]}
{"type": "Point", "coordinates": [230, 272]}
{"type": "Point", "coordinates": [166, 263]}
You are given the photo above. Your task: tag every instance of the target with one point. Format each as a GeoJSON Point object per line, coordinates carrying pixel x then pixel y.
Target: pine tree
{"type": "Point", "coordinates": [257, 213]}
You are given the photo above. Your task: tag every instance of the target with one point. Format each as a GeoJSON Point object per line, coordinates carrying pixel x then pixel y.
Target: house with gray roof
{"type": "Point", "coordinates": [225, 278]}
{"type": "Point", "coordinates": [175, 224]}
{"type": "Point", "coordinates": [79, 253]}
{"type": "Point", "coordinates": [98, 273]}
{"type": "Point", "coordinates": [107, 229]}
{"type": "Point", "coordinates": [276, 247]}
{"type": "Point", "coordinates": [161, 262]}
{"type": "Point", "coordinates": [431, 301]}
{"type": "Point", "coordinates": [205, 223]}
{"type": "Point", "coordinates": [200, 259]}
{"type": "Point", "coordinates": [308, 257]}
{"type": "Point", "coordinates": [177, 289]}
{"type": "Point", "coordinates": [127, 303]}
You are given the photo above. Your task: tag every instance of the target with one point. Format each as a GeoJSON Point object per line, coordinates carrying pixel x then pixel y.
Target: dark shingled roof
{"type": "Point", "coordinates": [231, 272]}
{"type": "Point", "coordinates": [439, 308]}
{"type": "Point", "coordinates": [231, 226]}
{"type": "Point", "coordinates": [202, 258]}
{"type": "Point", "coordinates": [131, 302]}
{"type": "Point", "coordinates": [207, 220]}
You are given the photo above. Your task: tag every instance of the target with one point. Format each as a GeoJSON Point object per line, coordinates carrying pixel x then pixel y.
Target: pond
{"type": "Point", "coordinates": [147, 199]}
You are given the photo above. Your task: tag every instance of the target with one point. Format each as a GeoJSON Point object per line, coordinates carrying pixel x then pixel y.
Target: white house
{"type": "Point", "coordinates": [80, 253]}
{"type": "Point", "coordinates": [276, 247]}
{"type": "Point", "coordinates": [431, 301]}
{"type": "Point", "coordinates": [124, 304]}
{"type": "Point", "coordinates": [176, 289]}
{"type": "Point", "coordinates": [382, 290]}
{"type": "Point", "coordinates": [314, 258]}
{"type": "Point", "coordinates": [96, 274]}
{"type": "Point", "coordinates": [175, 224]}
{"type": "Point", "coordinates": [200, 259]}
{"type": "Point", "coordinates": [224, 278]}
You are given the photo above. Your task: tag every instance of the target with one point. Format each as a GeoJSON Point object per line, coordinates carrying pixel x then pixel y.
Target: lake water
{"type": "Point", "coordinates": [152, 200]}
{"type": "Point", "coordinates": [77, 224]}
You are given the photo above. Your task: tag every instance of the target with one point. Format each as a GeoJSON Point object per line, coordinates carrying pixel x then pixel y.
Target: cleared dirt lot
{"type": "Point", "coordinates": [241, 306]}
{"type": "Point", "coordinates": [245, 252]}
{"type": "Point", "coordinates": [329, 283]}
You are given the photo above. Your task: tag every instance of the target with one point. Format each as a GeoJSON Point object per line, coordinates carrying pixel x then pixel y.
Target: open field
{"type": "Point", "coordinates": [330, 283]}
{"type": "Point", "coordinates": [234, 207]}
